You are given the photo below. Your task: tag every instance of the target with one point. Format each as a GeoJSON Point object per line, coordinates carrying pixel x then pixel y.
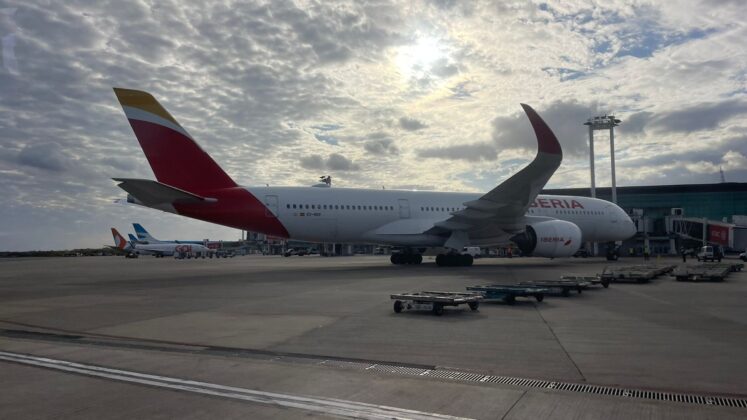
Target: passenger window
{"type": "Point", "coordinates": [287, 206]}
{"type": "Point", "coordinates": [307, 206]}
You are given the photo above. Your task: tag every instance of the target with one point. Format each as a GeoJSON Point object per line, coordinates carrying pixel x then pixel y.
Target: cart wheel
{"type": "Point", "coordinates": [510, 299]}
{"type": "Point", "coordinates": [438, 309]}
{"type": "Point", "coordinates": [540, 297]}
{"type": "Point", "coordinates": [565, 293]}
{"type": "Point", "coordinates": [474, 305]}
{"type": "Point", "coordinates": [579, 289]}
{"type": "Point", "coordinates": [397, 306]}
{"type": "Point", "coordinates": [605, 283]}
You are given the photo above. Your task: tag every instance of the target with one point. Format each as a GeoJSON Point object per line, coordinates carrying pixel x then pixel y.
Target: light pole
{"type": "Point", "coordinates": [604, 122]}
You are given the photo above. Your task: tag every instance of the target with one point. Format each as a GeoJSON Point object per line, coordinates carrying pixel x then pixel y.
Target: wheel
{"type": "Point", "coordinates": [510, 299]}
{"type": "Point", "coordinates": [395, 259]}
{"type": "Point", "coordinates": [438, 309]}
{"type": "Point", "coordinates": [540, 297]}
{"type": "Point", "coordinates": [474, 305]}
{"type": "Point", "coordinates": [579, 289]}
{"type": "Point", "coordinates": [398, 306]}
{"type": "Point", "coordinates": [441, 260]}
{"type": "Point", "coordinates": [466, 260]}
{"type": "Point", "coordinates": [566, 292]}
{"type": "Point", "coordinates": [605, 283]}
{"type": "Point", "coordinates": [418, 259]}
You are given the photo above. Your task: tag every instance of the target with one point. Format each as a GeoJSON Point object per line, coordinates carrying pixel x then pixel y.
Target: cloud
{"type": "Point", "coordinates": [380, 144]}
{"type": "Point", "coordinates": [473, 152]}
{"type": "Point", "coordinates": [264, 86]}
{"type": "Point", "coordinates": [334, 162]}
{"type": "Point", "coordinates": [704, 116]}
{"type": "Point", "coordinates": [411, 124]}
{"type": "Point", "coordinates": [49, 156]}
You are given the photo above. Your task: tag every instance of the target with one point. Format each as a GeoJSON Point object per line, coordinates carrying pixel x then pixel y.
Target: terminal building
{"type": "Point", "coordinates": [671, 217]}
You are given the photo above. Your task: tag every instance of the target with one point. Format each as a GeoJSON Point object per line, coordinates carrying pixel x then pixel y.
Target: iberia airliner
{"type": "Point", "coordinates": [191, 184]}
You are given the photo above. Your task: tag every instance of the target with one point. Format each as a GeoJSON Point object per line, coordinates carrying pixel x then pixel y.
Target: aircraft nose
{"type": "Point", "coordinates": [628, 227]}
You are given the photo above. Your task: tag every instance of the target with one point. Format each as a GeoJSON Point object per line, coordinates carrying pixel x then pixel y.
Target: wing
{"type": "Point", "coordinates": [502, 210]}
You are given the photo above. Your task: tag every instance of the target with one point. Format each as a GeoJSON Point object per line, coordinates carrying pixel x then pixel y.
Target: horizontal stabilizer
{"type": "Point", "coordinates": [153, 193]}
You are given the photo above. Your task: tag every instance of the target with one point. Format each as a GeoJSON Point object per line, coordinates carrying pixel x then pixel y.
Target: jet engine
{"type": "Point", "coordinates": [552, 238]}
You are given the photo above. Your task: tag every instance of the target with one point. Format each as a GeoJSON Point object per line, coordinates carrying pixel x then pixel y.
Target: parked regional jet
{"type": "Point", "coordinates": [191, 184]}
{"type": "Point", "coordinates": [145, 237]}
{"type": "Point", "coordinates": [158, 250]}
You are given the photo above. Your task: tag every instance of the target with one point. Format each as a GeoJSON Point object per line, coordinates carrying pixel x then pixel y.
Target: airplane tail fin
{"type": "Point", "coordinates": [141, 233]}
{"type": "Point", "coordinates": [132, 238]}
{"type": "Point", "coordinates": [176, 159]}
{"type": "Point", "coordinates": [119, 241]}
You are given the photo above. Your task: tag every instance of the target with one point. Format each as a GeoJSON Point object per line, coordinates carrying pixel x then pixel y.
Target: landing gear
{"type": "Point", "coordinates": [398, 259]}
{"type": "Point", "coordinates": [454, 260]}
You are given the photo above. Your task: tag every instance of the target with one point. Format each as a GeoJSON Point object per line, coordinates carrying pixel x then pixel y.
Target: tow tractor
{"type": "Point", "coordinates": [434, 301]}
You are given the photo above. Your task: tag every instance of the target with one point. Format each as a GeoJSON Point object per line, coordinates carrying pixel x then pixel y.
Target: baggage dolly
{"type": "Point", "coordinates": [509, 292]}
{"type": "Point", "coordinates": [434, 301]}
{"type": "Point", "coordinates": [561, 287]}
{"type": "Point", "coordinates": [595, 280]}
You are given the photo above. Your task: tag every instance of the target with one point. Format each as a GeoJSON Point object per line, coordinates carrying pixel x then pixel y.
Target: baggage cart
{"type": "Point", "coordinates": [509, 293]}
{"type": "Point", "coordinates": [434, 301]}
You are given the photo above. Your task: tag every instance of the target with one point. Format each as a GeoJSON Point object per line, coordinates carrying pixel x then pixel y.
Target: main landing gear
{"type": "Point", "coordinates": [398, 259]}
{"type": "Point", "coordinates": [454, 260]}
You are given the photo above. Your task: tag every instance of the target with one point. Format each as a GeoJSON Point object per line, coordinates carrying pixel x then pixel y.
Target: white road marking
{"type": "Point", "coordinates": [331, 406]}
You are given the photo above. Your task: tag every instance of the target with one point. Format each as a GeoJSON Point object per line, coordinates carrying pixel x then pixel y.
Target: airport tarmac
{"type": "Point", "coordinates": [300, 337]}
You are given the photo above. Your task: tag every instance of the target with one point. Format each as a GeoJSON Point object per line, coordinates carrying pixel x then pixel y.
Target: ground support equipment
{"type": "Point", "coordinates": [508, 293]}
{"type": "Point", "coordinates": [594, 280]}
{"type": "Point", "coordinates": [434, 301]}
{"type": "Point", "coordinates": [560, 287]}
{"type": "Point", "coordinates": [702, 272]}
{"type": "Point", "coordinates": [635, 273]}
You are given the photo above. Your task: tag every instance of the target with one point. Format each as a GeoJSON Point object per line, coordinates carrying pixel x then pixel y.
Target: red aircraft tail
{"type": "Point", "coordinates": [174, 156]}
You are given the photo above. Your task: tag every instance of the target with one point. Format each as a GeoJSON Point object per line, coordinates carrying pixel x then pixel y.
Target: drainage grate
{"type": "Point", "coordinates": [550, 385]}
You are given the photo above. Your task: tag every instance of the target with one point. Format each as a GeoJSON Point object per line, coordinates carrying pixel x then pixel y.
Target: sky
{"type": "Point", "coordinates": [397, 94]}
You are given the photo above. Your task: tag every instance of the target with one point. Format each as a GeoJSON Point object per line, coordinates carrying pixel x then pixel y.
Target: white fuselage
{"type": "Point", "coordinates": [398, 217]}
{"type": "Point", "coordinates": [168, 249]}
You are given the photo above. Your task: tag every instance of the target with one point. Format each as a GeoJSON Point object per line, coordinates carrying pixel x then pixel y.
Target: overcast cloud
{"type": "Point", "coordinates": [382, 93]}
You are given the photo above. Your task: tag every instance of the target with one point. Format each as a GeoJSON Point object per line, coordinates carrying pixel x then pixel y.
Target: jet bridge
{"type": "Point", "coordinates": [707, 231]}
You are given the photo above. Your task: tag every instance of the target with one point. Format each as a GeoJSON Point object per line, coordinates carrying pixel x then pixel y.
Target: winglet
{"type": "Point", "coordinates": [546, 140]}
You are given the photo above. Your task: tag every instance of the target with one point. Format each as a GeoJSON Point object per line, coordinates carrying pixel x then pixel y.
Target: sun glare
{"type": "Point", "coordinates": [416, 60]}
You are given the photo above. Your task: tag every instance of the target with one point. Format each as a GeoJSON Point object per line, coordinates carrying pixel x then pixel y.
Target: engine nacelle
{"type": "Point", "coordinates": [551, 239]}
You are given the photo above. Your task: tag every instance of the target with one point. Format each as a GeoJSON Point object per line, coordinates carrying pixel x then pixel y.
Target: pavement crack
{"type": "Point", "coordinates": [573, 362]}
{"type": "Point", "coordinates": [513, 405]}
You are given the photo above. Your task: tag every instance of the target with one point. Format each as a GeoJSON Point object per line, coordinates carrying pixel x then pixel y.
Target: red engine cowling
{"type": "Point", "coordinates": [551, 239]}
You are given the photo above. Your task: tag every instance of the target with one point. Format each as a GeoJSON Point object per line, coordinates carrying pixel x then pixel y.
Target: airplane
{"type": "Point", "coordinates": [158, 250]}
{"type": "Point", "coordinates": [190, 183]}
{"type": "Point", "coordinates": [145, 237]}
